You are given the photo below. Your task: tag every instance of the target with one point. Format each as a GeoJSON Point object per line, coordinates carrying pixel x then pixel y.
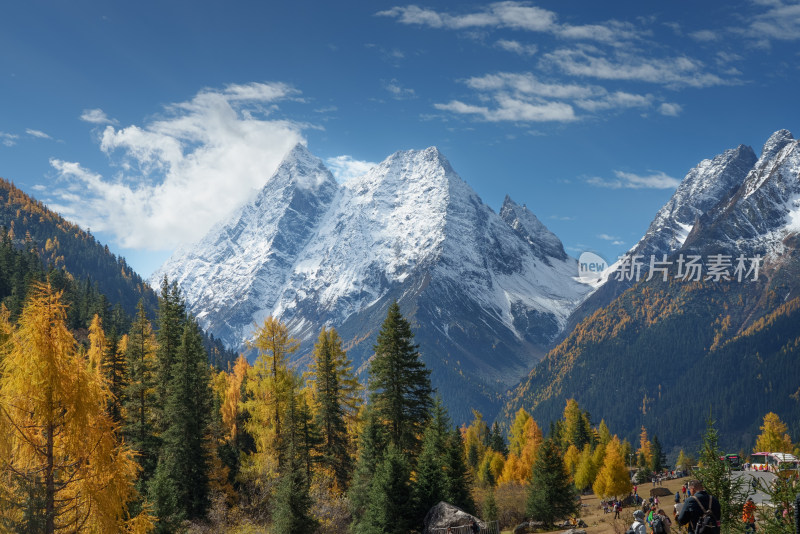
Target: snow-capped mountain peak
{"type": "Point", "coordinates": [486, 294]}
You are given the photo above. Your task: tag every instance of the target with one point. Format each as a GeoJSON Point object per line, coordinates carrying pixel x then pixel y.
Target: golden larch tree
{"type": "Point", "coordinates": [56, 436]}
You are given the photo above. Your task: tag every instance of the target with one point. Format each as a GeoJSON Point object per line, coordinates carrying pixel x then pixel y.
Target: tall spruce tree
{"type": "Point", "coordinates": [388, 508]}
{"type": "Point", "coordinates": [430, 485]}
{"type": "Point", "coordinates": [171, 321]}
{"type": "Point", "coordinates": [551, 495]}
{"type": "Point", "coordinates": [371, 446]}
{"type": "Point", "coordinates": [179, 488]}
{"type": "Point", "coordinates": [458, 489]}
{"type": "Point", "coordinates": [399, 383]}
{"type": "Point", "coordinates": [116, 372]}
{"type": "Point", "coordinates": [140, 396]}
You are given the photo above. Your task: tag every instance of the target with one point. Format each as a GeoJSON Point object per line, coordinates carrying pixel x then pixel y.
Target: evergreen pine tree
{"type": "Point", "coordinates": [551, 494]}
{"type": "Point", "coordinates": [389, 503]}
{"type": "Point", "coordinates": [371, 446]}
{"type": "Point", "coordinates": [183, 465]}
{"type": "Point", "coordinates": [489, 511]}
{"type": "Point", "coordinates": [171, 320]}
{"type": "Point", "coordinates": [730, 490]}
{"type": "Point", "coordinates": [116, 372]}
{"type": "Point", "coordinates": [399, 383]}
{"type": "Point", "coordinates": [659, 458]}
{"type": "Point", "coordinates": [497, 441]}
{"type": "Point", "coordinates": [430, 485]}
{"type": "Point", "coordinates": [140, 395]}
{"type": "Point", "coordinates": [458, 480]}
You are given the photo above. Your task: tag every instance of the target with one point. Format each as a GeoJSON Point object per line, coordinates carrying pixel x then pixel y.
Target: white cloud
{"type": "Point", "coordinates": [615, 100]}
{"type": "Point", "coordinates": [182, 172]}
{"type": "Point", "coordinates": [781, 21]}
{"type": "Point", "coordinates": [670, 109]}
{"type": "Point", "coordinates": [676, 72]}
{"type": "Point", "coordinates": [37, 133]}
{"type": "Point", "coordinates": [517, 47]}
{"type": "Point", "coordinates": [8, 139]}
{"type": "Point", "coordinates": [523, 97]}
{"type": "Point", "coordinates": [628, 180]}
{"type": "Point", "coordinates": [512, 109]}
{"type": "Point", "coordinates": [607, 237]}
{"type": "Point", "coordinates": [398, 92]}
{"type": "Point", "coordinates": [705, 36]}
{"type": "Point", "coordinates": [96, 116]}
{"type": "Point", "coordinates": [345, 168]}
{"type": "Point", "coordinates": [512, 15]}
{"type": "Point", "coordinates": [499, 15]}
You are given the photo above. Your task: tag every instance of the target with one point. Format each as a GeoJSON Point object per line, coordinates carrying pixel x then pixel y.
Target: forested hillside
{"type": "Point", "coordinates": [665, 355]}
{"type": "Point", "coordinates": [62, 244]}
{"type": "Point", "coordinates": [37, 244]}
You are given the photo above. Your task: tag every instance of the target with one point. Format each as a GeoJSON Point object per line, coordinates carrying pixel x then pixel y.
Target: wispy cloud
{"type": "Point", "coordinates": [513, 109]}
{"type": "Point", "coordinates": [670, 109]}
{"type": "Point", "coordinates": [705, 36]}
{"type": "Point", "coordinates": [780, 21]}
{"type": "Point", "coordinates": [517, 47]}
{"type": "Point", "coordinates": [37, 133]}
{"type": "Point", "coordinates": [96, 116]}
{"type": "Point", "coordinates": [523, 97]}
{"type": "Point", "coordinates": [8, 139]}
{"type": "Point", "coordinates": [397, 91]}
{"type": "Point", "coordinates": [180, 172]}
{"type": "Point", "coordinates": [628, 180]}
{"type": "Point", "coordinates": [675, 72]}
{"type": "Point", "coordinates": [345, 168]}
{"type": "Point", "coordinates": [512, 15]}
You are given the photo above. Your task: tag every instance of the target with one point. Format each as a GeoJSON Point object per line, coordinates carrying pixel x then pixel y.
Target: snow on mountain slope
{"type": "Point", "coordinates": [762, 213]}
{"type": "Point", "coordinates": [243, 263]}
{"type": "Point", "coordinates": [708, 183]}
{"type": "Point", "coordinates": [486, 294]}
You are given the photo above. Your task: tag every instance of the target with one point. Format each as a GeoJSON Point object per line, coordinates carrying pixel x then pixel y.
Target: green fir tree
{"type": "Point", "coordinates": [399, 383]}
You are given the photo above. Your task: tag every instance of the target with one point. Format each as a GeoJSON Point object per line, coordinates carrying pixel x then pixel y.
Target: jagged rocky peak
{"type": "Point", "coordinates": [303, 168]}
{"type": "Point", "coordinates": [775, 144]}
{"type": "Point", "coordinates": [545, 244]}
{"type": "Point", "coordinates": [709, 182]}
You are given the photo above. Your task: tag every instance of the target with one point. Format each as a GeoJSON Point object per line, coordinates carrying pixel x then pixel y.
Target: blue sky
{"type": "Point", "coordinates": [147, 121]}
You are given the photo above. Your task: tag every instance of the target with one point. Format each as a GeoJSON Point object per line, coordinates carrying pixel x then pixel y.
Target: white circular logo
{"type": "Point", "coordinates": [591, 267]}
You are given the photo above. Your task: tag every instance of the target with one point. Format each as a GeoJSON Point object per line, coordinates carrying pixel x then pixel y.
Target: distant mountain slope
{"type": "Point", "coordinates": [39, 239]}
{"type": "Point", "coordinates": [731, 347]}
{"type": "Point", "coordinates": [707, 184]}
{"type": "Point", "coordinates": [485, 293]}
{"type": "Point", "coordinates": [61, 243]}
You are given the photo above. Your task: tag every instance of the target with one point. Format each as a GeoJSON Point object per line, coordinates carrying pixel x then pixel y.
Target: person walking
{"type": "Point", "coordinates": [749, 516]}
{"type": "Point", "coordinates": [638, 523]}
{"type": "Point", "coordinates": [696, 506]}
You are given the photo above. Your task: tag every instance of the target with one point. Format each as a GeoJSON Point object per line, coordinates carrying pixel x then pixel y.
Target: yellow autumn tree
{"type": "Point", "coordinates": [774, 436]}
{"type": "Point", "coordinates": [519, 466]}
{"type": "Point", "coordinates": [57, 440]}
{"type": "Point", "coordinates": [613, 479]}
{"type": "Point", "coordinates": [267, 385]}
{"type": "Point", "coordinates": [585, 471]}
{"type": "Point", "coordinates": [645, 451]}
{"type": "Point", "coordinates": [230, 406]}
{"type": "Point", "coordinates": [571, 459]}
